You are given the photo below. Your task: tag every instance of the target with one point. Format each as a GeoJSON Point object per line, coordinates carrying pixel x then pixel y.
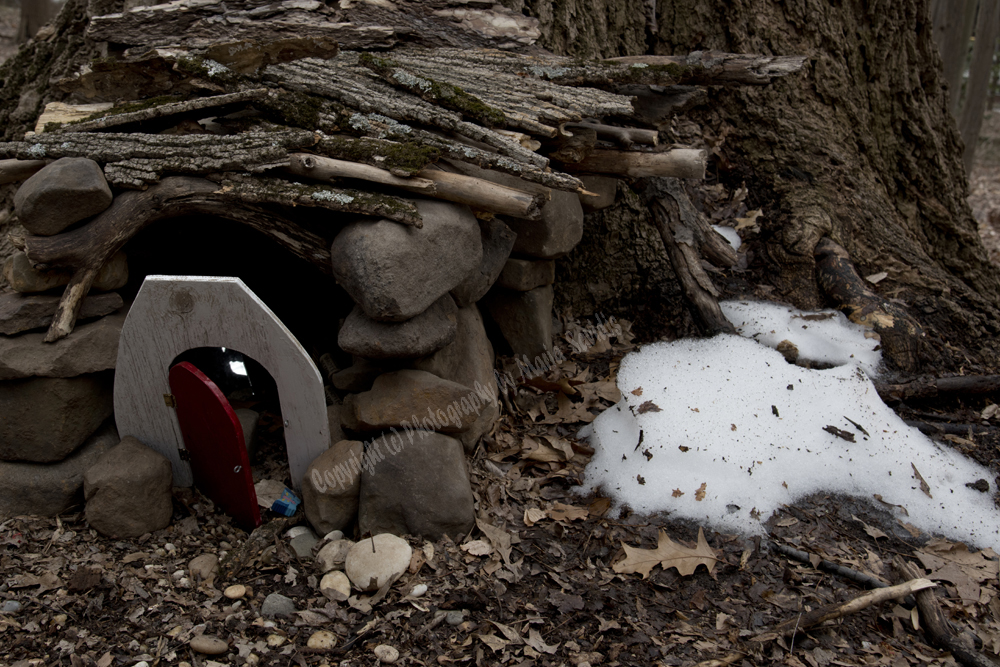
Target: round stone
{"type": "Point", "coordinates": [372, 562]}
{"type": "Point", "coordinates": [333, 554]}
{"type": "Point", "coordinates": [455, 617]}
{"type": "Point", "coordinates": [277, 604]}
{"type": "Point", "coordinates": [11, 607]}
{"type": "Point", "coordinates": [209, 645]}
{"type": "Point", "coordinates": [418, 590]}
{"type": "Point", "coordinates": [235, 592]}
{"type": "Point", "coordinates": [386, 654]}
{"type": "Point", "coordinates": [335, 586]}
{"type": "Point", "coordinates": [322, 640]}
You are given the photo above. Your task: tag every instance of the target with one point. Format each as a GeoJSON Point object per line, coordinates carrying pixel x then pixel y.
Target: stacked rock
{"type": "Point", "coordinates": [55, 399]}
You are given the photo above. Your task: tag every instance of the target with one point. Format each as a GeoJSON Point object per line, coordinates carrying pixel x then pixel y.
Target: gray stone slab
{"type": "Point", "coordinates": [498, 241]}
{"type": "Point", "coordinates": [24, 312]}
{"type": "Point", "coordinates": [90, 348]}
{"type": "Point", "coordinates": [25, 278]}
{"type": "Point", "coordinates": [524, 318]}
{"type": "Point", "coordinates": [63, 193]}
{"type": "Point", "coordinates": [41, 489]}
{"type": "Point", "coordinates": [522, 275]}
{"type": "Point", "coordinates": [417, 337]}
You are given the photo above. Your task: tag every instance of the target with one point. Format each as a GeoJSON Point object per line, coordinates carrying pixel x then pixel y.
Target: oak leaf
{"type": "Point", "coordinates": [667, 554]}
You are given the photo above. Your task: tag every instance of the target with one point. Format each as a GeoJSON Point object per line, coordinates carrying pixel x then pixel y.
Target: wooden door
{"type": "Point", "coordinates": [214, 441]}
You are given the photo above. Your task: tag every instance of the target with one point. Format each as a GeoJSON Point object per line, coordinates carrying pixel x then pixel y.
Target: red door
{"type": "Point", "coordinates": [214, 440]}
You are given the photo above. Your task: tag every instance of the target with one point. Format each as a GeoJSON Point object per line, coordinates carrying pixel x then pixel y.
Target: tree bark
{"type": "Point", "coordinates": [859, 147]}
{"type": "Point", "coordinates": [953, 22]}
{"type": "Point", "coordinates": [34, 14]}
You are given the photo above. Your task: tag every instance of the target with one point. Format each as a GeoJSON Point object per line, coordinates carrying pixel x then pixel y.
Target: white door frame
{"type": "Point", "coordinates": [173, 314]}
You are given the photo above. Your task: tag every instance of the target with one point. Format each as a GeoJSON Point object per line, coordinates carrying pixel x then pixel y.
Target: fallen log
{"type": "Point", "coordinates": [87, 248]}
{"type": "Point", "coordinates": [676, 163]}
{"type": "Point", "coordinates": [933, 387]}
{"type": "Point", "coordinates": [626, 136]}
{"type": "Point", "coordinates": [832, 612]}
{"type": "Point", "coordinates": [12, 171]}
{"type": "Point", "coordinates": [901, 336]}
{"type": "Point", "coordinates": [937, 628]}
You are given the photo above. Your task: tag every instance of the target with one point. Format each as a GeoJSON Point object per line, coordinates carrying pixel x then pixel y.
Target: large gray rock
{"type": "Point", "coordinates": [60, 194]}
{"type": "Point", "coordinates": [498, 241]}
{"type": "Point", "coordinates": [22, 312]}
{"type": "Point", "coordinates": [524, 318]}
{"type": "Point", "coordinates": [468, 360]}
{"type": "Point", "coordinates": [90, 348]}
{"type": "Point", "coordinates": [603, 189]}
{"type": "Point", "coordinates": [395, 272]}
{"type": "Point", "coordinates": [49, 489]}
{"type": "Point", "coordinates": [410, 397]}
{"type": "Point", "coordinates": [23, 277]}
{"type": "Point", "coordinates": [331, 486]}
{"type": "Point", "coordinates": [46, 419]}
{"type": "Point", "coordinates": [359, 376]}
{"type": "Point", "coordinates": [128, 491]}
{"type": "Point", "coordinates": [421, 489]}
{"type": "Point", "coordinates": [417, 337]}
{"type": "Point", "coordinates": [558, 232]}
{"type": "Point", "coordinates": [522, 275]}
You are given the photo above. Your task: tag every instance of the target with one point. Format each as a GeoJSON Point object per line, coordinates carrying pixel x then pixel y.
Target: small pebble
{"type": "Point", "coordinates": [303, 544]}
{"type": "Point", "coordinates": [225, 546]}
{"type": "Point", "coordinates": [204, 567]}
{"type": "Point", "coordinates": [295, 531]}
{"type": "Point", "coordinates": [418, 590]}
{"type": "Point", "coordinates": [141, 664]}
{"type": "Point", "coordinates": [209, 645]}
{"type": "Point", "coordinates": [169, 547]}
{"type": "Point", "coordinates": [334, 535]}
{"type": "Point", "coordinates": [235, 592]}
{"type": "Point", "coordinates": [454, 617]}
{"type": "Point", "coordinates": [274, 641]}
{"type": "Point", "coordinates": [277, 604]}
{"type": "Point", "coordinates": [336, 586]}
{"type": "Point", "coordinates": [59, 620]}
{"type": "Point", "coordinates": [386, 654]}
{"type": "Point", "coordinates": [322, 640]}
{"type": "Point", "coordinates": [11, 607]}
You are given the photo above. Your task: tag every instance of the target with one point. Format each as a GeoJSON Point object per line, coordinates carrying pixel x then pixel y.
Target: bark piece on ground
{"type": "Point", "coordinates": [395, 273]}
{"type": "Point", "coordinates": [128, 491]}
{"type": "Point", "coordinates": [417, 337]}
{"type": "Point", "coordinates": [46, 419]}
{"type": "Point", "coordinates": [61, 194]}
{"type": "Point", "coordinates": [92, 348]}
{"type": "Point", "coordinates": [407, 398]}
{"type": "Point", "coordinates": [22, 312]}
{"type": "Point", "coordinates": [421, 489]}
{"type": "Point", "coordinates": [498, 240]}
{"type": "Point", "coordinates": [524, 318]}
{"type": "Point", "coordinates": [522, 275]}
{"type": "Point", "coordinates": [331, 486]}
{"type": "Point", "coordinates": [40, 489]}
{"type": "Point", "coordinates": [26, 279]}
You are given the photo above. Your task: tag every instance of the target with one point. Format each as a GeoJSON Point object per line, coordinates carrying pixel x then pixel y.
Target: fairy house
{"type": "Point", "coordinates": [393, 181]}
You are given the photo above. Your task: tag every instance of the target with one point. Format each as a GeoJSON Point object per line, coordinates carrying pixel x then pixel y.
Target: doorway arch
{"type": "Point", "coordinates": [173, 314]}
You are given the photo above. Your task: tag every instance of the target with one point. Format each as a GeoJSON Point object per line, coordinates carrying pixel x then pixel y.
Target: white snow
{"type": "Point", "coordinates": [736, 417]}
{"type": "Point", "coordinates": [730, 235]}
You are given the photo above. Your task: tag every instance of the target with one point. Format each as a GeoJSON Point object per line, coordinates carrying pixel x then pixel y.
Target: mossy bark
{"type": "Point", "coordinates": [859, 147]}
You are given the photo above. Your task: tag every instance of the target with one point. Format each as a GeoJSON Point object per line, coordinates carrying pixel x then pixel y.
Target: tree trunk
{"type": "Point", "coordinates": [980, 71]}
{"type": "Point", "coordinates": [859, 147]}
{"type": "Point", "coordinates": [953, 22]}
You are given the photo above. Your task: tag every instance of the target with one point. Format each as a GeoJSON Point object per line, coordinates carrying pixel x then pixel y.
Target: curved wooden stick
{"type": "Point", "coordinates": [87, 248]}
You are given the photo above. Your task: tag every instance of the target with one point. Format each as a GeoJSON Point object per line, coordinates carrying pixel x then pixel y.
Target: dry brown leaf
{"type": "Point", "coordinates": [677, 493]}
{"type": "Point", "coordinates": [477, 548]}
{"type": "Point", "coordinates": [787, 521]}
{"type": "Point", "coordinates": [923, 485]}
{"type": "Point", "coordinates": [700, 493]}
{"type": "Point", "coordinates": [873, 532]}
{"type": "Point", "coordinates": [953, 562]}
{"type": "Point", "coordinates": [534, 640]}
{"type": "Point", "coordinates": [494, 642]}
{"type": "Point", "coordinates": [648, 406]}
{"type": "Point", "coordinates": [600, 507]}
{"type": "Point", "coordinates": [749, 221]}
{"type": "Point", "coordinates": [561, 512]}
{"type": "Point", "coordinates": [667, 554]}
{"type": "Point", "coordinates": [533, 515]}
{"type": "Point", "coordinates": [638, 392]}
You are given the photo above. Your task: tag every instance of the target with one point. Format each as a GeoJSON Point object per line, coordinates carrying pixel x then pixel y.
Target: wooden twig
{"type": "Point", "coordinates": [87, 248]}
{"type": "Point", "coordinates": [626, 136]}
{"type": "Point", "coordinates": [475, 192]}
{"type": "Point", "coordinates": [828, 566]}
{"type": "Point", "coordinates": [938, 630]}
{"type": "Point", "coordinates": [834, 611]}
{"type": "Point", "coordinates": [942, 428]}
{"type": "Point", "coordinates": [933, 387]}
{"type": "Point", "coordinates": [12, 171]}
{"type": "Point", "coordinates": [676, 163]}
{"type": "Point", "coordinates": [901, 336]}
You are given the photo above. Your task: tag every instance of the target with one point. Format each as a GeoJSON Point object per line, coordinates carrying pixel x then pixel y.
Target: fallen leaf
{"type": "Point", "coordinates": [477, 548]}
{"type": "Point", "coordinates": [648, 406]}
{"type": "Point", "coordinates": [923, 485]}
{"type": "Point", "coordinates": [494, 642]}
{"type": "Point", "coordinates": [787, 521]}
{"type": "Point", "coordinates": [565, 603]}
{"type": "Point", "coordinates": [677, 493]}
{"type": "Point", "coordinates": [561, 512]}
{"type": "Point", "coordinates": [509, 632]}
{"type": "Point", "coordinates": [873, 532]}
{"type": "Point", "coordinates": [599, 507]}
{"type": "Point", "coordinates": [667, 554]}
{"type": "Point", "coordinates": [700, 493]}
{"type": "Point", "coordinates": [638, 392]}
{"type": "Point", "coordinates": [990, 411]}
{"type": "Point", "coordinates": [876, 278]}
{"type": "Point", "coordinates": [749, 221]}
{"type": "Point", "coordinates": [534, 640]}
{"type": "Point", "coordinates": [533, 515]}
{"type": "Point", "coordinates": [607, 625]}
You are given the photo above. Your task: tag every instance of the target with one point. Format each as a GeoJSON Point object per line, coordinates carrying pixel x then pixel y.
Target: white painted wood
{"type": "Point", "coordinates": [173, 314]}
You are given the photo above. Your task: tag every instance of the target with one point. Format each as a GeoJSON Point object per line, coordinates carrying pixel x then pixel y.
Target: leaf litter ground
{"type": "Point", "coordinates": [546, 578]}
